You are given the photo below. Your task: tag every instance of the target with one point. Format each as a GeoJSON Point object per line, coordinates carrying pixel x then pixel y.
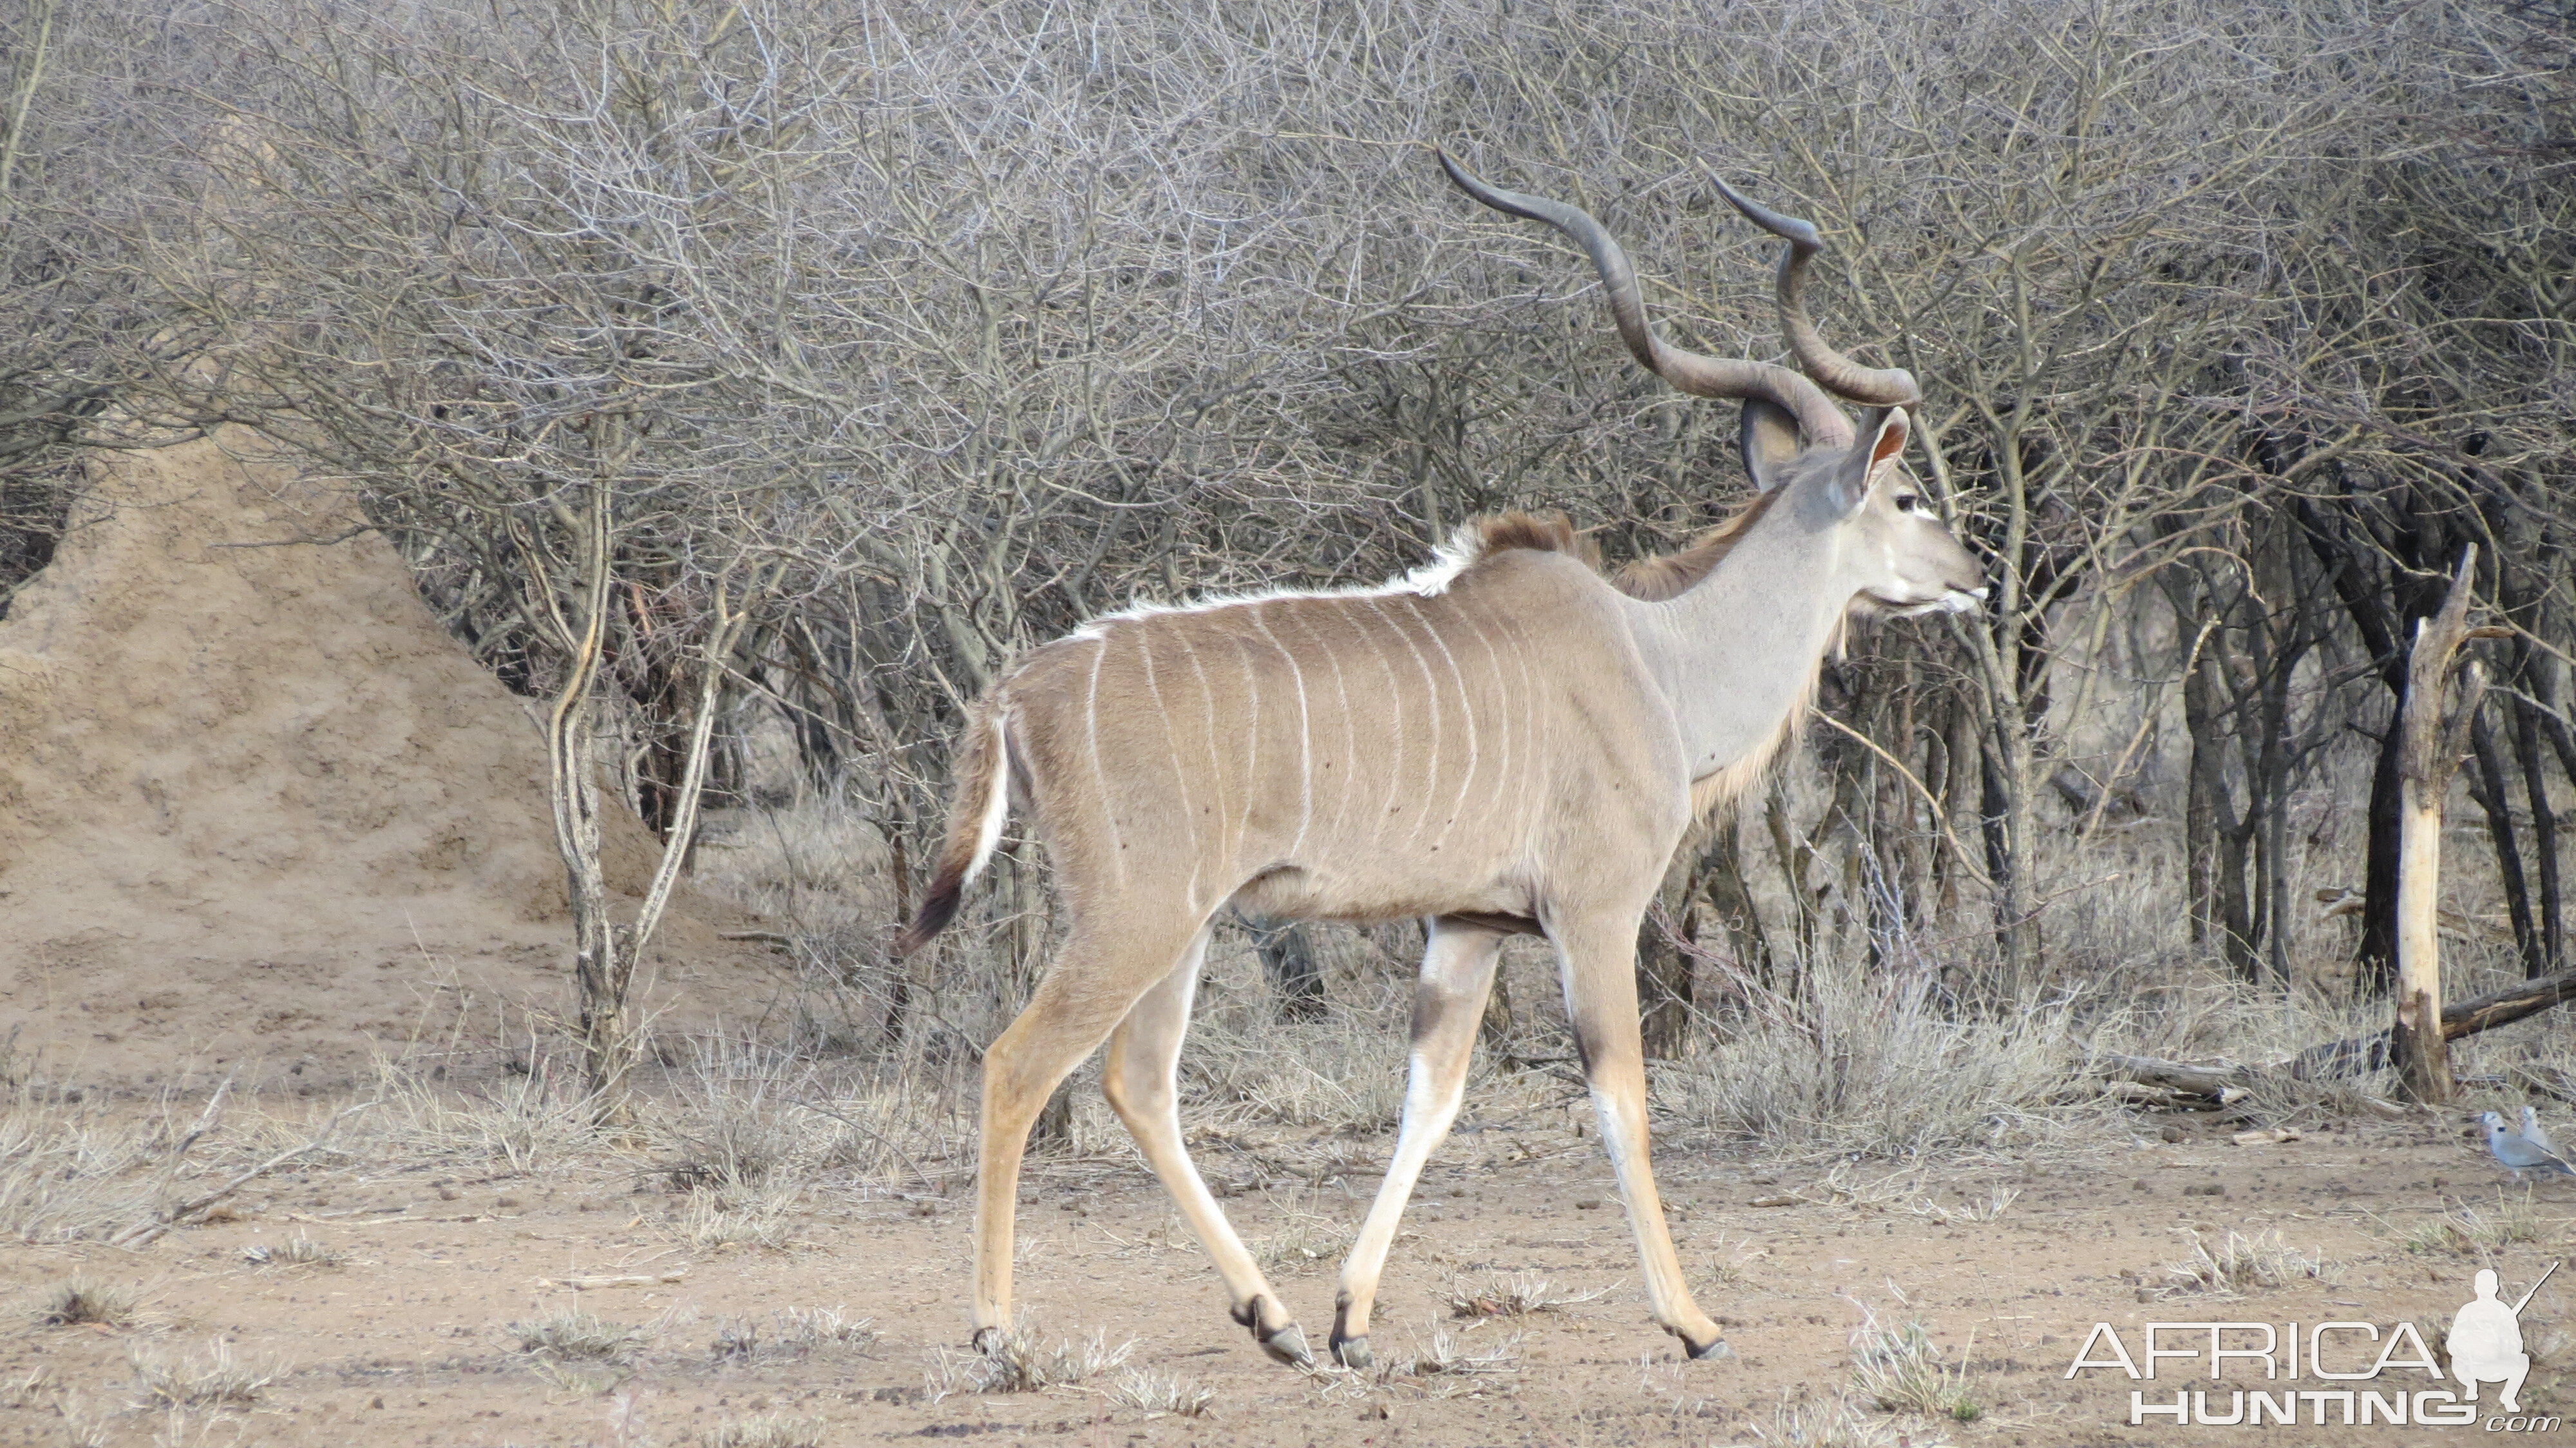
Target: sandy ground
{"type": "Point", "coordinates": [406, 1343]}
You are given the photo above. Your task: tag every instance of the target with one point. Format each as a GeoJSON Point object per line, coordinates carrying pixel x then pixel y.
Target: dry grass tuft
{"type": "Point", "coordinates": [1884, 1065]}
{"type": "Point", "coordinates": [1899, 1370]}
{"type": "Point", "coordinates": [527, 1123]}
{"type": "Point", "coordinates": [791, 1332]}
{"type": "Point", "coordinates": [1021, 1361]}
{"type": "Point", "coordinates": [1159, 1395]}
{"type": "Point", "coordinates": [1447, 1354]}
{"type": "Point", "coordinates": [2465, 1231]}
{"type": "Point", "coordinates": [736, 1217]}
{"type": "Point", "coordinates": [1305, 1244]}
{"type": "Point", "coordinates": [1731, 1262]}
{"type": "Point", "coordinates": [188, 1381]}
{"type": "Point", "coordinates": [71, 1170]}
{"type": "Point", "coordinates": [83, 1301]}
{"type": "Point", "coordinates": [2242, 1264]}
{"type": "Point", "coordinates": [1515, 1294]}
{"type": "Point", "coordinates": [296, 1251]}
{"type": "Point", "coordinates": [1344, 1071]}
{"type": "Point", "coordinates": [1830, 1425]}
{"type": "Point", "coordinates": [745, 1112]}
{"type": "Point", "coordinates": [769, 1430]}
{"type": "Point", "coordinates": [576, 1336]}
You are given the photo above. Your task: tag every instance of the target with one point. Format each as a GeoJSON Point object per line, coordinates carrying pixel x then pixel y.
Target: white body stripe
{"type": "Point", "coordinates": [1350, 729]}
{"type": "Point", "coordinates": [1466, 714]}
{"type": "Point", "coordinates": [1216, 764]}
{"type": "Point", "coordinates": [1180, 771]}
{"type": "Point", "coordinates": [1395, 709]}
{"type": "Point", "coordinates": [1431, 695]}
{"type": "Point", "coordinates": [1503, 714]}
{"type": "Point", "coordinates": [1305, 739]}
{"type": "Point", "coordinates": [1100, 776]}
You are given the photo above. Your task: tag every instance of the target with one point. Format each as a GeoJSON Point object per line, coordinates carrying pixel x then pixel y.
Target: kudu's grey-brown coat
{"type": "Point", "coordinates": [1506, 741]}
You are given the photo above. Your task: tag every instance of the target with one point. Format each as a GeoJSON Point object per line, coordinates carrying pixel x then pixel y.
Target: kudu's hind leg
{"type": "Point", "coordinates": [1448, 1004]}
{"type": "Point", "coordinates": [1597, 955]}
{"type": "Point", "coordinates": [1137, 1077]}
{"type": "Point", "coordinates": [1087, 991]}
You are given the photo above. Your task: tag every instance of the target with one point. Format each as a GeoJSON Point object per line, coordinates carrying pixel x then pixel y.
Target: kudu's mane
{"type": "Point", "coordinates": [1652, 580]}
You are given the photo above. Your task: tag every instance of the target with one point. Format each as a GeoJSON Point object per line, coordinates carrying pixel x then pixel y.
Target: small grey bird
{"type": "Point", "coordinates": [2518, 1155]}
{"type": "Point", "coordinates": [2537, 1134]}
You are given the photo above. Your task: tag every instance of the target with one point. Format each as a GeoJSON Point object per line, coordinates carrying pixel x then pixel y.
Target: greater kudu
{"type": "Point", "coordinates": [1504, 742]}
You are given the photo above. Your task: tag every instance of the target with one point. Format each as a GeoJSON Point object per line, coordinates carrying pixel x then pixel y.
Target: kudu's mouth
{"type": "Point", "coordinates": [1955, 600]}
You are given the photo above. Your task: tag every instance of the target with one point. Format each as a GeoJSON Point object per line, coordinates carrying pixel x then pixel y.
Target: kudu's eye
{"type": "Point", "coordinates": [1908, 502]}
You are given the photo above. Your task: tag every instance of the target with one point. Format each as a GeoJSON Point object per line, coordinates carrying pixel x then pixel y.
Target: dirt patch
{"type": "Point", "coordinates": [411, 1322]}
{"type": "Point", "coordinates": [261, 811]}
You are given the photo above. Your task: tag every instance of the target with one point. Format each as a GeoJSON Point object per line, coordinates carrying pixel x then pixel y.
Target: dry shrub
{"type": "Point", "coordinates": [2197, 1014]}
{"type": "Point", "coordinates": [818, 863]}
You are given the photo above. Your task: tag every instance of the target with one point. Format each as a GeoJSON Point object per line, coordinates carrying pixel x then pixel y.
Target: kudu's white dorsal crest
{"type": "Point", "coordinates": [1507, 742]}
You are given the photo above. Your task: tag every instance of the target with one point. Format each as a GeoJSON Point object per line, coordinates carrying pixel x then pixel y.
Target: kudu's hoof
{"type": "Point", "coordinates": [1713, 1350]}
{"type": "Point", "coordinates": [985, 1340]}
{"type": "Point", "coordinates": [1288, 1345]}
{"type": "Point", "coordinates": [1353, 1352]}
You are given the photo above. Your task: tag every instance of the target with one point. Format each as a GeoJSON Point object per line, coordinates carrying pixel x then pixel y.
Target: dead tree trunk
{"type": "Point", "coordinates": [2430, 752]}
{"type": "Point", "coordinates": [600, 970]}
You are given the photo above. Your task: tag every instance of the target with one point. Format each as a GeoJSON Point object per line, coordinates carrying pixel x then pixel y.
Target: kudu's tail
{"type": "Point", "coordinates": [983, 768]}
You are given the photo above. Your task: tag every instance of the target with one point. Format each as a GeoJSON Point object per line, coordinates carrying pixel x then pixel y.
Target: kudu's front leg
{"type": "Point", "coordinates": [1448, 1003]}
{"type": "Point", "coordinates": [1598, 957]}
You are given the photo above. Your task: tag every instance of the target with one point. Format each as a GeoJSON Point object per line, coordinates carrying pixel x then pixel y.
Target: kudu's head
{"type": "Point", "coordinates": [1846, 485]}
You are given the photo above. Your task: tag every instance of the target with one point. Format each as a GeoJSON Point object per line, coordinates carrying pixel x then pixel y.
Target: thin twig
{"type": "Point", "coordinates": [1939, 814]}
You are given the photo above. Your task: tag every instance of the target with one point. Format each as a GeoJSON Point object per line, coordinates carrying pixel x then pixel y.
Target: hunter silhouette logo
{"type": "Point", "coordinates": [2485, 1341]}
{"type": "Point", "coordinates": [2344, 1374]}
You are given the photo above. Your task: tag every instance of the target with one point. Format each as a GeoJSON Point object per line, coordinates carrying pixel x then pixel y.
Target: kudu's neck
{"type": "Point", "coordinates": [1737, 651]}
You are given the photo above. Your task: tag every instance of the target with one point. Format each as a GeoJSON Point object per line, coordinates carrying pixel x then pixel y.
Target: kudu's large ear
{"type": "Point", "coordinates": [1882, 437]}
{"type": "Point", "coordinates": [1770, 441]}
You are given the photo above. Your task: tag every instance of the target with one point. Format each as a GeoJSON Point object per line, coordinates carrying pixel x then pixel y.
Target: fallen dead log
{"type": "Point", "coordinates": [2336, 1059]}
{"type": "Point", "coordinates": [2460, 1018]}
{"type": "Point", "coordinates": [2181, 1076]}
{"type": "Point", "coordinates": [2512, 1003]}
